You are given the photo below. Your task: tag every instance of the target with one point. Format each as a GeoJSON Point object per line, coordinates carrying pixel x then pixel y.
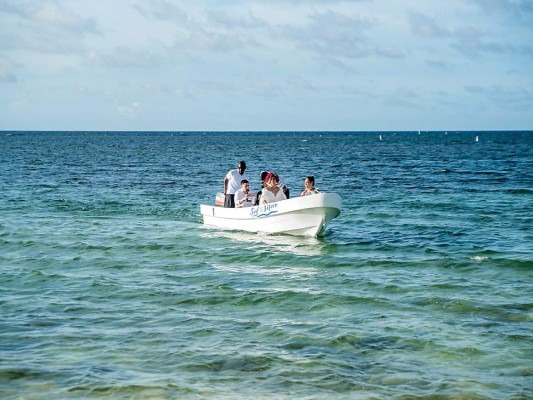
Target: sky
{"type": "Point", "coordinates": [263, 65]}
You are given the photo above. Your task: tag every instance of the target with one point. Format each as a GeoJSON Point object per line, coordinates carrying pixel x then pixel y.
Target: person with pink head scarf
{"type": "Point", "coordinates": [272, 192]}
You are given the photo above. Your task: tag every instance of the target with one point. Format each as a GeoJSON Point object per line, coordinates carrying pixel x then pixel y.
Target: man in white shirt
{"type": "Point", "coordinates": [242, 196]}
{"type": "Point", "coordinates": [232, 183]}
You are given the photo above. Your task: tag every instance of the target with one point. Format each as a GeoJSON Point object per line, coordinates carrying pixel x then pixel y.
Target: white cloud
{"type": "Point", "coordinates": [46, 27]}
{"type": "Point", "coordinates": [162, 10]}
{"type": "Point", "coordinates": [6, 76]}
{"type": "Point", "coordinates": [425, 26]}
{"type": "Point", "coordinates": [246, 59]}
{"type": "Point", "coordinates": [507, 97]}
{"type": "Point", "coordinates": [126, 57]}
{"type": "Point", "coordinates": [471, 42]}
{"type": "Point", "coordinates": [129, 110]}
{"type": "Point", "coordinates": [48, 15]}
{"type": "Point", "coordinates": [243, 22]}
{"type": "Point", "coordinates": [199, 39]}
{"type": "Point", "coordinates": [7, 70]}
{"type": "Point", "coordinates": [332, 34]}
{"type": "Point", "coordinates": [51, 14]}
{"type": "Point", "coordinates": [517, 8]}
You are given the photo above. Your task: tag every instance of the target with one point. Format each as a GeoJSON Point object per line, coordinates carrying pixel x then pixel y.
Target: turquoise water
{"type": "Point", "coordinates": [112, 288]}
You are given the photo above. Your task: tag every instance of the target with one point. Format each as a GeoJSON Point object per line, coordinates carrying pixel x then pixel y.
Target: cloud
{"type": "Point", "coordinates": [125, 57]}
{"type": "Point", "coordinates": [422, 25]}
{"type": "Point", "coordinates": [42, 42]}
{"type": "Point", "coordinates": [43, 27]}
{"type": "Point", "coordinates": [230, 22]}
{"type": "Point", "coordinates": [7, 68]}
{"type": "Point", "coordinates": [401, 102]}
{"type": "Point", "coordinates": [53, 15]}
{"type": "Point", "coordinates": [162, 10]}
{"type": "Point", "coordinates": [389, 52]}
{"type": "Point", "coordinates": [506, 96]}
{"type": "Point", "coordinates": [440, 65]}
{"type": "Point", "coordinates": [143, 58]}
{"type": "Point", "coordinates": [332, 35]}
{"type": "Point", "coordinates": [20, 102]}
{"type": "Point", "coordinates": [496, 90]}
{"type": "Point", "coordinates": [245, 87]}
{"type": "Point", "coordinates": [517, 8]}
{"type": "Point", "coordinates": [272, 88]}
{"type": "Point", "coordinates": [471, 42]}
{"type": "Point", "coordinates": [467, 39]}
{"type": "Point", "coordinates": [313, 2]}
{"type": "Point", "coordinates": [199, 39]}
{"type": "Point", "coordinates": [7, 77]}
{"type": "Point", "coordinates": [128, 110]}
{"type": "Point", "coordinates": [203, 31]}
{"type": "Point", "coordinates": [50, 15]}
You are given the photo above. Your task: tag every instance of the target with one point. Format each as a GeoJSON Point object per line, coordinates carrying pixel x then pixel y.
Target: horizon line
{"type": "Point", "coordinates": [265, 131]}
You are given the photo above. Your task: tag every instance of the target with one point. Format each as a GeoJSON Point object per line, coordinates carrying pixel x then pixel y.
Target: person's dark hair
{"type": "Point", "coordinates": [263, 175]}
{"type": "Point", "coordinates": [311, 179]}
{"type": "Point", "coordinates": [243, 164]}
{"type": "Point", "coordinates": [244, 181]}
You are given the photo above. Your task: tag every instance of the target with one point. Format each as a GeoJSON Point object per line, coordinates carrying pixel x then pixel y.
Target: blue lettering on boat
{"type": "Point", "coordinates": [263, 210]}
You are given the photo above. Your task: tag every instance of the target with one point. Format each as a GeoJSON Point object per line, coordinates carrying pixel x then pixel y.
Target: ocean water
{"type": "Point", "coordinates": [112, 288]}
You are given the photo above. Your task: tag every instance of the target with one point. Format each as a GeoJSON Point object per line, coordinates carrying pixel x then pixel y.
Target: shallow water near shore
{"type": "Point", "coordinates": [112, 288]}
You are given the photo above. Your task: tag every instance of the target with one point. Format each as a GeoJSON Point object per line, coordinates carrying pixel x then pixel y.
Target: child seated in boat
{"type": "Point", "coordinates": [242, 196]}
{"type": "Point", "coordinates": [309, 186]}
{"type": "Point", "coordinates": [272, 192]}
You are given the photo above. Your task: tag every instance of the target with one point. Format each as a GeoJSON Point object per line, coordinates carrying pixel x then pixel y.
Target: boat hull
{"type": "Point", "coordinates": [302, 216]}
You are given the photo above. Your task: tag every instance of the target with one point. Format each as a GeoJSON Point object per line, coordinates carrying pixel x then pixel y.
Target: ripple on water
{"type": "Point", "coordinates": [112, 288]}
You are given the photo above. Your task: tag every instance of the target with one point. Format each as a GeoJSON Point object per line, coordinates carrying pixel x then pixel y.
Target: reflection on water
{"type": "Point", "coordinates": [298, 245]}
{"type": "Point", "coordinates": [286, 273]}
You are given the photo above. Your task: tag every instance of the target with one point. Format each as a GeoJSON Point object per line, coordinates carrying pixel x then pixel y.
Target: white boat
{"type": "Point", "coordinates": [302, 216]}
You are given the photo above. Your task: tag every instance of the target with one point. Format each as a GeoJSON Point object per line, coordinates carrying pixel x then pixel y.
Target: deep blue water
{"type": "Point", "coordinates": [111, 287]}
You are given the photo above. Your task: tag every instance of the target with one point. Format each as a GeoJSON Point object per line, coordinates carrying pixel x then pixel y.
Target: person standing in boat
{"type": "Point", "coordinates": [272, 192]}
{"type": "Point", "coordinates": [242, 196]}
{"type": "Point", "coordinates": [232, 183]}
{"type": "Point", "coordinates": [309, 186]}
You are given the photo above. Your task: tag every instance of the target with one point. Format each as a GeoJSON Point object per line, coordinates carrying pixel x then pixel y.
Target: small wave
{"type": "Point", "coordinates": [244, 363]}
{"type": "Point", "coordinates": [519, 191]}
{"type": "Point", "coordinates": [479, 258]}
{"type": "Point", "coordinates": [146, 391]}
{"type": "Point", "coordinates": [471, 172]}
